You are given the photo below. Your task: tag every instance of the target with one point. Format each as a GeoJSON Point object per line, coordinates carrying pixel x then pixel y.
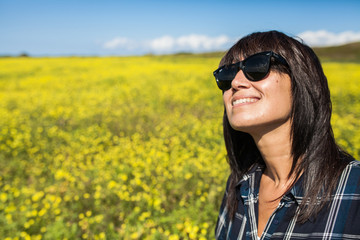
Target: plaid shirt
{"type": "Point", "coordinates": [340, 220]}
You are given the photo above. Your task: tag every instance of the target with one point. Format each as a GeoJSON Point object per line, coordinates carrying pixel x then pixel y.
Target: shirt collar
{"type": "Point", "coordinates": [255, 171]}
{"type": "Point", "coordinates": [254, 174]}
{"type": "Point", "coordinates": [249, 183]}
{"type": "Point", "coordinates": [297, 191]}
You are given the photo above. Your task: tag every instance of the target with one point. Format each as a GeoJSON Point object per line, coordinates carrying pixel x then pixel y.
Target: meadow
{"type": "Point", "coordinates": [124, 147]}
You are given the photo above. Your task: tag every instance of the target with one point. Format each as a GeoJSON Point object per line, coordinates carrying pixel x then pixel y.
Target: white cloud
{"type": "Point", "coordinates": [169, 44]}
{"type": "Point", "coordinates": [165, 43]}
{"type": "Point", "coordinates": [118, 42]}
{"type": "Point", "coordinates": [202, 42]}
{"type": "Point", "coordinates": [325, 38]}
{"type": "Point", "coordinates": [191, 43]}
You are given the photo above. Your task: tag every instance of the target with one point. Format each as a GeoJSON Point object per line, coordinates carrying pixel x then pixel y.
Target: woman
{"type": "Point", "coordinates": [289, 179]}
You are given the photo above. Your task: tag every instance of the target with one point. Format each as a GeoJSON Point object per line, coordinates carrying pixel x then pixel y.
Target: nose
{"type": "Point", "coordinates": [240, 81]}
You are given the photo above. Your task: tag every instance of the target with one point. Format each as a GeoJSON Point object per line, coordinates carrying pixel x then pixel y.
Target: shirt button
{"type": "Point", "coordinates": [276, 222]}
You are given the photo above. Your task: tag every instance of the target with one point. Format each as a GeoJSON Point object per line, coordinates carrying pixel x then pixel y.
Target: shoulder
{"type": "Point", "coordinates": [349, 181]}
{"type": "Point", "coordinates": [354, 164]}
{"type": "Point", "coordinates": [352, 170]}
{"type": "Point", "coordinates": [345, 204]}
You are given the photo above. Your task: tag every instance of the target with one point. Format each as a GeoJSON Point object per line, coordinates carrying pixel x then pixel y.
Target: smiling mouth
{"type": "Point", "coordinates": [244, 100]}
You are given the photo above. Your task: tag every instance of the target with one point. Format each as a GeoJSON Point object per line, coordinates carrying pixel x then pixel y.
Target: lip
{"type": "Point", "coordinates": [244, 100]}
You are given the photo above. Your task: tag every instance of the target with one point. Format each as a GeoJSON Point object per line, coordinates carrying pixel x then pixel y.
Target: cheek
{"type": "Point", "coordinates": [227, 97]}
{"type": "Point", "coordinates": [227, 103]}
{"type": "Point", "coordinates": [283, 102]}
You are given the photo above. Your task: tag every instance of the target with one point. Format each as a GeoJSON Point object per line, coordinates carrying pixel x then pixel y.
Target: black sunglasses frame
{"type": "Point", "coordinates": [256, 71]}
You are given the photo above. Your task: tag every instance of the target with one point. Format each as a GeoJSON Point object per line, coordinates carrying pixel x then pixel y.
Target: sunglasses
{"type": "Point", "coordinates": [255, 68]}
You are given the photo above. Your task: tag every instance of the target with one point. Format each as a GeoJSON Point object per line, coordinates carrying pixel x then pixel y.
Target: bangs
{"type": "Point", "coordinates": [256, 43]}
{"type": "Point", "coordinates": [247, 46]}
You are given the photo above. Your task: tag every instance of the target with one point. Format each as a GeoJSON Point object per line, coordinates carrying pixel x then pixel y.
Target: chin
{"type": "Point", "coordinates": [242, 127]}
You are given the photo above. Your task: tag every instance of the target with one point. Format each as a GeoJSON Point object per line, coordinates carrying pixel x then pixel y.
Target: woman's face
{"type": "Point", "coordinates": [259, 107]}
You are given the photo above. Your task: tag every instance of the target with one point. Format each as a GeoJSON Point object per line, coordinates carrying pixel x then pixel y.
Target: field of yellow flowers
{"type": "Point", "coordinates": [124, 147]}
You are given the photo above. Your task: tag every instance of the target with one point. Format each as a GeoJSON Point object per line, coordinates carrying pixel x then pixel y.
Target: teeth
{"type": "Point", "coordinates": [244, 100]}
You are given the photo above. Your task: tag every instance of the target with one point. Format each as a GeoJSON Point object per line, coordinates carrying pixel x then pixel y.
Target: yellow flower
{"type": "Point", "coordinates": [188, 176]}
{"type": "Point", "coordinates": [111, 184]}
{"type": "Point", "coordinates": [174, 237]}
{"type": "Point", "coordinates": [88, 213]}
{"type": "Point", "coordinates": [57, 211]}
{"type": "Point", "coordinates": [134, 235]}
{"type": "Point", "coordinates": [3, 197]}
{"type": "Point", "coordinates": [102, 235]}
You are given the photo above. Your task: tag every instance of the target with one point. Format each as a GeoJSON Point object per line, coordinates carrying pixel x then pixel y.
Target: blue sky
{"type": "Point", "coordinates": [78, 27]}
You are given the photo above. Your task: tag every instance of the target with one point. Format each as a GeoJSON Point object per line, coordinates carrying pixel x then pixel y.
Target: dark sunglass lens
{"type": "Point", "coordinates": [257, 67]}
{"type": "Point", "coordinates": [224, 85]}
{"type": "Point", "coordinates": [225, 75]}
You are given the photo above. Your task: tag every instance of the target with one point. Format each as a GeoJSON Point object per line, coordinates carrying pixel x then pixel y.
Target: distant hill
{"type": "Point", "coordinates": [344, 53]}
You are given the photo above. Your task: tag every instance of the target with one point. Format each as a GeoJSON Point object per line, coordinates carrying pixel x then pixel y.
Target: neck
{"type": "Point", "coordinates": [275, 148]}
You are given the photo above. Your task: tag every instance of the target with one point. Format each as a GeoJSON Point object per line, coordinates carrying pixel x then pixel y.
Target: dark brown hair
{"type": "Point", "coordinates": [315, 153]}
